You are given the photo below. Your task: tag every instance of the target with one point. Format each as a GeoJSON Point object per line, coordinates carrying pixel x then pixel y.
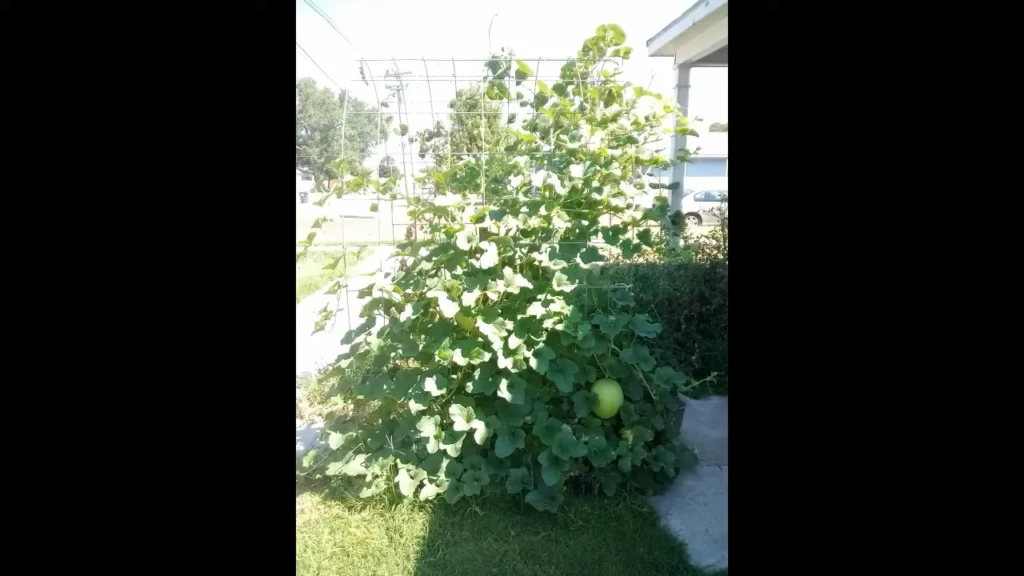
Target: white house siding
{"type": "Point", "coordinates": [710, 167]}
{"type": "Point", "coordinates": [302, 185]}
{"type": "Point", "coordinates": [708, 173]}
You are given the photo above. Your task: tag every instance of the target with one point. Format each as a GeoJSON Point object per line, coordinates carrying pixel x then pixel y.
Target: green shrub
{"type": "Point", "coordinates": [691, 302]}
{"type": "Point", "coordinates": [479, 356]}
{"type": "Point", "coordinates": [687, 292]}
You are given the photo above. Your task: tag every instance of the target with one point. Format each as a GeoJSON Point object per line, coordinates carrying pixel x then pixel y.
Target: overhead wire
{"type": "Point", "coordinates": [320, 11]}
{"type": "Point", "coordinates": [311, 59]}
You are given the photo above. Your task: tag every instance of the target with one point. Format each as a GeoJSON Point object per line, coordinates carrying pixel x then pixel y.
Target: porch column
{"type": "Point", "coordinates": [679, 141]}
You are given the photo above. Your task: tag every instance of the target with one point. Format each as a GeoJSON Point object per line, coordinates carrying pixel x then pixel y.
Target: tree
{"type": "Point", "coordinates": [388, 168]}
{"type": "Point", "coordinates": [320, 119]}
{"type": "Point", "coordinates": [477, 124]}
{"type": "Point", "coordinates": [466, 122]}
{"type": "Point", "coordinates": [719, 127]}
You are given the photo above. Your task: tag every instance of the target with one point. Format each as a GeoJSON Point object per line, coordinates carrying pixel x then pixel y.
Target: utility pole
{"type": "Point", "coordinates": [397, 87]}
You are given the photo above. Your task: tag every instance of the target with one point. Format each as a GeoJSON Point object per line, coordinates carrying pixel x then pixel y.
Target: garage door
{"type": "Point", "coordinates": [706, 167]}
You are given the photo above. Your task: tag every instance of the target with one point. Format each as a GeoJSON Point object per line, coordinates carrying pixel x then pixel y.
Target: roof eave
{"type": "Point", "coordinates": [661, 44]}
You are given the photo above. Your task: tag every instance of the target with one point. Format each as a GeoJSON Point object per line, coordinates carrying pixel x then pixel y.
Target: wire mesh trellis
{"type": "Point", "coordinates": [420, 94]}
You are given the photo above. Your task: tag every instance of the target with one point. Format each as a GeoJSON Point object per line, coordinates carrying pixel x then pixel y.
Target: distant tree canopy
{"type": "Point", "coordinates": [319, 126]}
{"type": "Point", "coordinates": [466, 122]}
{"type": "Point", "coordinates": [719, 127]}
{"type": "Point", "coordinates": [388, 168]}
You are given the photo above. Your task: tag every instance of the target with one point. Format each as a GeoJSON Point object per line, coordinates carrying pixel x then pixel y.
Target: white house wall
{"type": "Point", "coordinates": [302, 185]}
{"type": "Point", "coordinates": [700, 183]}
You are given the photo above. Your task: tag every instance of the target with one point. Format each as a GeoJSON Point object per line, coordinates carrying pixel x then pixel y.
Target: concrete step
{"type": "Point", "coordinates": [706, 427]}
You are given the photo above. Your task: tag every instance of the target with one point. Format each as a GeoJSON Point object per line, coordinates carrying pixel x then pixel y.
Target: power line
{"type": "Point", "coordinates": [324, 15]}
{"type": "Point", "coordinates": [317, 65]}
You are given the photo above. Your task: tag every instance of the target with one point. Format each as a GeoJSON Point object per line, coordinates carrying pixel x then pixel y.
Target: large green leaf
{"type": "Point", "coordinates": [518, 479]}
{"type": "Point", "coordinates": [613, 32]}
{"type": "Point", "coordinates": [562, 372]}
{"type": "Point", "coordinates": [403, 383]}
{"type": "Point", "coordinates": [551, 467]}
{"type": "Point", "coordinates": [353, 467]}
{"type": "Point", "coordinates": [609, 480]}
{"type": "Point", "coordinates": [630, 248]}
{"type": "Point", "coordinates": [542, 355]}
{"type": "Point", "coordinates": [583, 402]}
{"type": "Point", "coordinates": [470, 351]}
{"type": "Point", "coordinates": [451, 442]}
{"type": "Point", "coordinates": [419, 402]}
{"type": "Point", "coordinates": [373, 387]}
{"type": "Point", "coordinates": [336, 439]}
{"type": "Point", "coordinates": [453, 493]}
{"type": "Point", "coordinates": [508, 440]}
{"type": "Point", "coordinates": [591, 255]}
{"type": "Point", "coordinates": [611, 325]}
{"type": "Point", "coordinates": [612, 235]}
{"type": "Point", "coordinates": [484, 381]}
{"type": "Point", "coordinates": [562, 283]}
{"type": "Point", "coordinates": [427, 426]}
{"type": "Point", "coordinates": [511, 361]}
{"type": "Point", "coordinates": [522, 68]}
{"type": "Point", "coordinates": [473, 481]}
{"type": "Point", "coordinates": [462, 417]}
{"type": "Point", "coordinates": [513, 281]}
{"type": "Point", "coordinates": [407, 482]}
{"type": "Point", "coordinates": [644, 236]}
{"type": "Point", "coordinates": [489, 258]}
{"type": "Point", "coordinates": [642, 325]}
{"type": "Point", "coordinates": [448, 306]}
{"type": "Point", "coordinates": [545, 498]}
{"type": "Point", "coordinates": [428, 492]}
{"type": "Point", "coordinates": [567, 446]}
{"type": "Point", "coordinates": [638, 354]}
{"type": "Point", "coordinates": [435, 385]}
{"type": "Point", "coordinates": [512, 414]}
{"type": "Point", "coordinates": [548, 430]}
{"type": "Point", "coordinates": [599, 452]}
{"type": "Point", "coordinates": [667, 377]}
{"type": "Point", "coordinates": [482, 429]}
{"type": "Point", "coordinates": [513, 389]}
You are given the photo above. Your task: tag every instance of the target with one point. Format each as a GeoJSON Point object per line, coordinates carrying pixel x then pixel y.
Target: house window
{"type": "Point", "coordinates": [307, 178]}
{"type": "Point", "coordinates": [706, 167]}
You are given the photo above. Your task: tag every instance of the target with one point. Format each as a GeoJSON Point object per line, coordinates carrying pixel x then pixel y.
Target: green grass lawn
{"type": "Point", "coordinates": [591, 536]}
{"type": "Point", "coordinates": [310, 275]}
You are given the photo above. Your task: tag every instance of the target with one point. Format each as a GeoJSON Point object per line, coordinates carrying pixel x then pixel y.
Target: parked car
{"type": "Point", "coordinates": [705, 207]}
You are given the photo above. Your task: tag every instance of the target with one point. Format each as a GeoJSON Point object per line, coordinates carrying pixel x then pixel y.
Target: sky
{"type": "Point", "coordinates": [445, 29]}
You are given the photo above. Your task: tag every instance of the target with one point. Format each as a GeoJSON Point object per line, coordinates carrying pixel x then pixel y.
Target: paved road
{"type": "Point", "coordinates": [353, 221]}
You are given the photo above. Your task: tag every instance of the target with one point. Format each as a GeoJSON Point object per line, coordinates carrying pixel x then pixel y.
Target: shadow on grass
{"type": "Point", "coordinates": [337, 533]}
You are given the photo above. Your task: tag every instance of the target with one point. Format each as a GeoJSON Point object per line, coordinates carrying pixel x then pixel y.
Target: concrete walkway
{"type": "Point", "coordinates": [696, 507]}
{"type": "Point", "coordinates": [313, 351]}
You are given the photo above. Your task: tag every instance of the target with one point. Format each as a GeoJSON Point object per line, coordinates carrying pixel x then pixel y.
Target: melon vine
{"type": "Point", "coordinates": [477, 359]}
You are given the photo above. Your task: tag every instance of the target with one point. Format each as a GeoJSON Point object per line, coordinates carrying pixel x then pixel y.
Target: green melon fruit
{"type": "Point", "coordinates": [466, 323]}
{"type": "Point", "coordinates": [609, 397]}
